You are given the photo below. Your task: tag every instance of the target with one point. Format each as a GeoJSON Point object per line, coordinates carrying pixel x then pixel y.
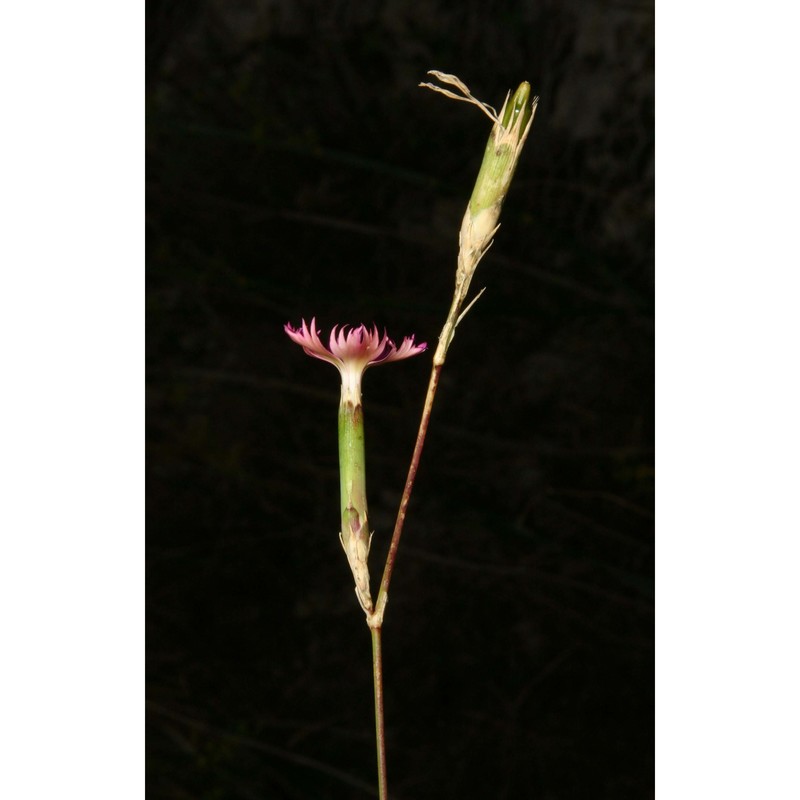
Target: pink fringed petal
{"type": "Point", "coordinates": [353, 349]}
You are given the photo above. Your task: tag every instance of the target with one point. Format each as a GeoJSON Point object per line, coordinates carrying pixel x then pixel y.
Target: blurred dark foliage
{"type": "Point", "coordinates": [295, 169]}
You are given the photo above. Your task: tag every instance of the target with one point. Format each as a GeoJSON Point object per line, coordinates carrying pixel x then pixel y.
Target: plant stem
{"type": "Point", "coordinates": [454, 316]}
{"type": "Point", "coordinates": [478, 228]}
{"type": "Point", "coordinates": [375, 617]}
{"type": "Point", "coordinates": [380, 736]}
{"type": "Point", "coordinates": [404, 500]}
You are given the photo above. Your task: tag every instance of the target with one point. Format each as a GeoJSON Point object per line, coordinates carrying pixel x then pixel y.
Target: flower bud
{"type": "Point", "coordinates": [499, 163]}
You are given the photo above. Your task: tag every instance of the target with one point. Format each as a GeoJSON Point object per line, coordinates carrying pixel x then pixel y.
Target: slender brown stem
{"type": "Point", "coordinates": [404, 500]}
{"type": "Point", "coordinates": [375, 617]}
{"type": "Point", "coordinates": [380, 736]}
{"type": "Point", "coordinates": [479, 225]}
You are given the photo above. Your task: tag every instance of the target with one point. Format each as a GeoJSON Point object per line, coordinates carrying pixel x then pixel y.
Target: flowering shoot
{"type": "Point", "coordinates": [352, 352]}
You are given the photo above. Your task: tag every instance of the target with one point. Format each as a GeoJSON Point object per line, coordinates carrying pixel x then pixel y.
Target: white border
{"type": "Point", "coordinates": [728, 402]}
{"type": "Point", "coordinates": [72, 437]}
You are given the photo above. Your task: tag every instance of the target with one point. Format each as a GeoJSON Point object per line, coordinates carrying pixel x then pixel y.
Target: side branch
{"type": "Point", "coordinates": [375, 620]}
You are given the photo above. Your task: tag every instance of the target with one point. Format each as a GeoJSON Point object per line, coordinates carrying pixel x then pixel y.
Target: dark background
{"type": "Point", "coordinates": [295, 169]}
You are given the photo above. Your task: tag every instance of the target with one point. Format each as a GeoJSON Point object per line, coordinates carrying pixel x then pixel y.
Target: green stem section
{"type": "Point", "coordinates": [380, 735]}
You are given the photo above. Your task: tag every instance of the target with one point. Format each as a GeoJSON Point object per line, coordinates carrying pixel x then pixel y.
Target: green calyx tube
{"type": "Point", "coordinates": [355, 535]}
{"type": "Point", "coordinates": [502, 152]}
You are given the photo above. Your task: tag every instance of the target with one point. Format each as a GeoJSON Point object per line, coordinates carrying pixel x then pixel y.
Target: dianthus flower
{"type": "Point", "coordinates": [352, 352]}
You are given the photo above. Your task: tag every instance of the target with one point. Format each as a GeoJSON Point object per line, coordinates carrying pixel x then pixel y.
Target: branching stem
{"type": "Point", "coordinates": [480, 224]}
{"type": "Point", "coordinates": [375, 619]}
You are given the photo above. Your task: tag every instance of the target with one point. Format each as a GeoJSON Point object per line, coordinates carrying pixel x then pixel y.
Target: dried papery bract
{"type": "Point", "coordinates": [462, 87]}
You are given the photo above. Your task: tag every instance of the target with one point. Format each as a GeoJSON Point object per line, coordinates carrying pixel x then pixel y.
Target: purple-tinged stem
{"type": "Point", "coordinates": [380, 734]}
{"type": "Point", "coordinates": [375, 619]}
{"type": "Point", "coordinates": [383, 595]}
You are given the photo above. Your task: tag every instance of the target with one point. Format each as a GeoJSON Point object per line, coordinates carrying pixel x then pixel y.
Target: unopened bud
{"type": "Point", "coordinates": [481, 220]}
{"type": "Point", "coordinates": [499, 164]}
